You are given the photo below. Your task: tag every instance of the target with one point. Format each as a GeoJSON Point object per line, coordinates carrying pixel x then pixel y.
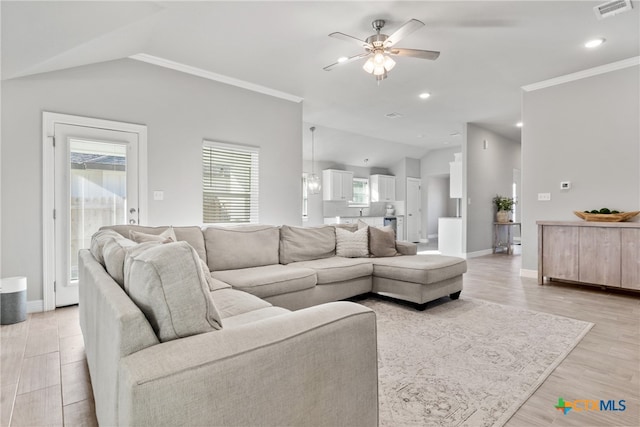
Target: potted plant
{"type": "Point", "coordinates": [504, 207]}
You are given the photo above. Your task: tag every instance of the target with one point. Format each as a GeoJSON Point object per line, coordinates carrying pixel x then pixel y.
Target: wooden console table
{"type": "Point", "coordinates": [496, 236]}
{"type": "Point", "coordinates": [599, 253]}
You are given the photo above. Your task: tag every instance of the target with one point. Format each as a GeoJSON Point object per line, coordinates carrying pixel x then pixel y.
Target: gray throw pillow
{"type": "Point", "coordinates": [382, 241]}
{"type": "Point", "coordinates": [167, 236]}
{"type": "Point", "coordinates": [98, 240]}
{"type": "Point", "coordinates": [114, 253]}
{"type": "Point", "coordinates": [352, 244]}
{"type": "Point", "coordinates": [168, 284]}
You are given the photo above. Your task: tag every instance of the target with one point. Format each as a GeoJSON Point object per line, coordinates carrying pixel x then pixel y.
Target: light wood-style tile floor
{"type": "Point", "coordinates": [45, 381]}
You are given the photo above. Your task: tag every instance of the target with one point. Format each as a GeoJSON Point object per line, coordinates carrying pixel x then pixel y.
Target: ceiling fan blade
{"type": "Point", "coordinates": [408, 28]}
{"type": "Point", "coordinates": [346, 61]}
{"type": "Point", "coordinates": [351, 39]}
{"type": "Point", "coordinates": [415, 53]}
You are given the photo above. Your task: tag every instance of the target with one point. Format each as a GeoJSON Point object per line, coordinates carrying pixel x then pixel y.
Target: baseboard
{"type": "Point", "coordinates": [35, 306]}
{"type": "Point", "coordinates": [479, 253]}
{"type": "Point", "coordinates": [533, 274]}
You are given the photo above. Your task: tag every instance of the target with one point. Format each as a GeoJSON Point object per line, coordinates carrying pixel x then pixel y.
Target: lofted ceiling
{"type": "Point", "coordinates": [489, 50]}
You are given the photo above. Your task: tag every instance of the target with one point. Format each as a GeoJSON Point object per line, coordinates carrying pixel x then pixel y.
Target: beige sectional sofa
{"type": "Point", "coordinates": [253, 360]}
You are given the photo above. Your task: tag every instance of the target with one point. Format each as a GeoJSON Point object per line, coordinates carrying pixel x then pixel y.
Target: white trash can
{"type": "Point", "coordinates": [13, 300]}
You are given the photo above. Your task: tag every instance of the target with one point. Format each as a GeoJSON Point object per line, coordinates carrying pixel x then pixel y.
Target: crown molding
{"type": "Point", "coordinates": [619, 65]}
{"type": "Point", "coordinates": [166, 63]}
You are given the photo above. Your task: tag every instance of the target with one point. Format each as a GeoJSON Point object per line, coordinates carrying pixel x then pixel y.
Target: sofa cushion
{"type": "Point", "coordinates": [337, 269]}
{"type": "Point", "coordinates": [423, 269]}
{"type": "Point", "coordinates": [352, 244]}
{"type": "Point", "coordinates": [231, 302]}
{"type": "Point", "coordinates": [168, 284]}
{"type": "Point", "coordinates": [98, 240]}
{"type": "Point", "coordinates": [189, 234]}
{"type": "Point", "coordinates": [306, 243]}
{"type": "Point", "coordinates": [214, 284]}
{"type": "Point", "coordinates": [382, 241]}
{"type": "Point", "coordinates": [253, 316]}
{"type": "Point", "coordinates": [231, 248]}
{"type": "Point", "coordinates": [167, 236]}
{"type": "Point", "coordinates": [114, 252]}
{"type": "Point", "coordinates": [268, 280]}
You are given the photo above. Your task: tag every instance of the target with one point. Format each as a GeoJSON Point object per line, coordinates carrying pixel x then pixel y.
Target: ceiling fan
{"type": "Point", "coordinates": [379, 48]}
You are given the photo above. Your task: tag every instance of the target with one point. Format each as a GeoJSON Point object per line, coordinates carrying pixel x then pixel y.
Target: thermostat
{"type": "Point", "coordinates": [565, 185]}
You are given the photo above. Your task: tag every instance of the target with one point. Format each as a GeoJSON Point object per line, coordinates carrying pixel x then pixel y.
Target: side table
{"type": "Point", "coordinates": [508, 245]}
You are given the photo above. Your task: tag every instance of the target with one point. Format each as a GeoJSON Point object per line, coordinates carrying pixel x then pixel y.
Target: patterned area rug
{"type": "Point", "coordinates": [467, 362]}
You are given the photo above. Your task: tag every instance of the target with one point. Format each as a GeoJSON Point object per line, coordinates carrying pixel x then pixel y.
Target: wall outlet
{"type": "Point", "coordinates": [544, 197]}
{"type": "Point", "coordinates": [565, 185]}
{"type": "Point", "coordinates": [158, 195]}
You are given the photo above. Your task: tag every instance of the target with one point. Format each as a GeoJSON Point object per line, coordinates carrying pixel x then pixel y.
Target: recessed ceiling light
{"type": "Point", "coordinates": [594, 43]}
{"type": "Point", "coordinates": [342, 59]}
{"type": "Point", "coordinates": [424, 95]}
{"type": "Point", "coordinates": [519, 124]}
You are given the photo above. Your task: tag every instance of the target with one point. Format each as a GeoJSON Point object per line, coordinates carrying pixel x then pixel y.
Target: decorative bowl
{"type": "Point", "coordinates": [619, 217]}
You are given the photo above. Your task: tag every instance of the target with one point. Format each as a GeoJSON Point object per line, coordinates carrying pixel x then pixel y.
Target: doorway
{"type": "Point", "coordinates": [96, 179]}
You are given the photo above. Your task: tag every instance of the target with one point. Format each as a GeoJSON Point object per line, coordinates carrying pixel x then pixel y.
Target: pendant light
{"type": "Point", "coordinates": [313, 180]}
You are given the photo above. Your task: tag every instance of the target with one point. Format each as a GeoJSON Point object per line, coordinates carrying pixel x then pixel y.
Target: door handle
{"type": "Point", "coordinates": [132, 210]}
{"type": "Point", "coordinates": [132, 221]}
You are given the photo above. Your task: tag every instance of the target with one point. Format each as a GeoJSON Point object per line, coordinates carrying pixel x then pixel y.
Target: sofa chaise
{"type": "Point", "coordinates": [246, 326]}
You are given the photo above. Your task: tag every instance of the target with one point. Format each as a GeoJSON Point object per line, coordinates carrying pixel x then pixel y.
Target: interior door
{"type": "Point", "coordinates": [96, 184]}
{"type": "Point", "coordinates": [413, 210]}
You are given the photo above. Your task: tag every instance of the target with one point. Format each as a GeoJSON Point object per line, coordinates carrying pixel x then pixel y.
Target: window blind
{"type": "Point", "coordinates": [229, 183]}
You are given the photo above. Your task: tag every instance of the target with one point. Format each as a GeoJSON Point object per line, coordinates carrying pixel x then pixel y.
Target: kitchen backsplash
{"type": "Point", "coordinates": [332, 209]}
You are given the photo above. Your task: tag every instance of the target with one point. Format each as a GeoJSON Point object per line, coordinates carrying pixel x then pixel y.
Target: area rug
{"type": "Point", "coordinates": [466, 362]}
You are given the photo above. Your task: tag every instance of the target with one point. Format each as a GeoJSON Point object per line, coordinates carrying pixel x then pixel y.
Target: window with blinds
{"type": "Point", "coordinates": [229, 183]}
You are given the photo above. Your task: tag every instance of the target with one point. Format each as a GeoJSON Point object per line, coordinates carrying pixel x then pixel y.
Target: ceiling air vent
{"type": "Point", "coordinates": [393, 115]}
{"type": "Point", "coordinates": [612, 8]}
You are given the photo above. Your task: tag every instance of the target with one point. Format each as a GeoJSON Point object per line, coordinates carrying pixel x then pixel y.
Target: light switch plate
{"type": "Point", "coordinates": [158, 195]}
{"type": "Point", "coordinates": [544, 197]}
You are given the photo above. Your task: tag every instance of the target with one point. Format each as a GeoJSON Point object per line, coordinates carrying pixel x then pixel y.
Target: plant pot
{"type": "Point", "coordinates": [502, 216]}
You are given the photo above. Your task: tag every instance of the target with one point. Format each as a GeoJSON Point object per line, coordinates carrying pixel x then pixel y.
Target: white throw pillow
{"type": "Point", "coordinates": [352, 244]}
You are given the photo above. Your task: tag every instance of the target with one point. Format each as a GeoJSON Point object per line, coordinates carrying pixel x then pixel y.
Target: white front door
{"type": "Point", "coordinates": [96, 184]}
{"type": "Point", "coordinates": [413, 210]}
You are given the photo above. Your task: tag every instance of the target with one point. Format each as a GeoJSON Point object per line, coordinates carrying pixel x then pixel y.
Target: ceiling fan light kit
{"type": "Point", "coordinates": [378, 49]}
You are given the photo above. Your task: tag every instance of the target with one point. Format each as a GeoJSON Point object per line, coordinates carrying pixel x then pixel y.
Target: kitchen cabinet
{"type": "Point", "coordinates": [337, 185]}
{"type": "Point", "coordinates": [599, 253]}
{"type": "Point", "coordinates": [383, 188]}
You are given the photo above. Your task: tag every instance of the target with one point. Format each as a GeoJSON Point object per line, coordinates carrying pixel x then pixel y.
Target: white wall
{"type": "Point", "coordinates": [438, 199]}
{"type": "Point", "coordinates": [180, 111]}
{"type": "Point", "coordinates": [489, 172]}
{"type": "Point", "coordinates": [588, 132]}
{"type": "Point", "coordinates": [434, 164]}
